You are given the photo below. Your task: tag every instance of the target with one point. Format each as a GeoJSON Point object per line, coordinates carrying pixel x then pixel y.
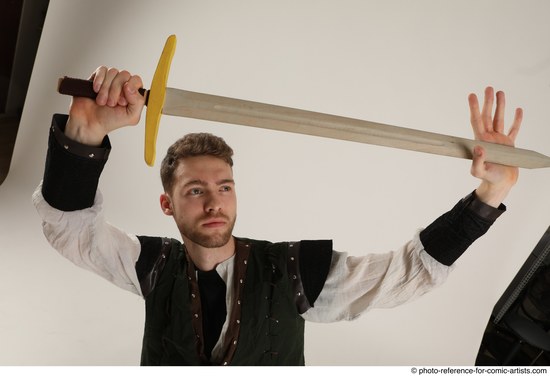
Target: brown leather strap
{"type": "Point", "coordinates": [234, 325]}
{"type": "Point", "coordinates": [196, 307]}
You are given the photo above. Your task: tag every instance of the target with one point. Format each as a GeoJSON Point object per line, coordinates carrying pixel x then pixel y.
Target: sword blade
{"type": "Point", "coordinates": [261, 115]}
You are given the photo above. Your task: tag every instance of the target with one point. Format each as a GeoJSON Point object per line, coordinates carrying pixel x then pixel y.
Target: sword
{"type": "Point", "coordinates": [170, 101]}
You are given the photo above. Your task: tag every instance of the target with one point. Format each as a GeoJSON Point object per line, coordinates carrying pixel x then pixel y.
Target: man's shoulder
{"type": "Point", "coordinates": [156, 242]}
{"type": "Point", "coordinates": [154, 248]}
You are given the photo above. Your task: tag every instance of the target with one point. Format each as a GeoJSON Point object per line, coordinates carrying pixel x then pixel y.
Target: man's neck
{"type": "Point", "coordinates": [206, 259]}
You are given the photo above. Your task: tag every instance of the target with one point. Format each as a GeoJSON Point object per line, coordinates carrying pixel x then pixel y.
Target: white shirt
{"type": "Point", "coordinates": [353, 286]}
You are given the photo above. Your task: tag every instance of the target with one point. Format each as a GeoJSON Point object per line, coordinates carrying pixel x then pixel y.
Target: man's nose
{"type": "Point", "coordinates": [213, 204]}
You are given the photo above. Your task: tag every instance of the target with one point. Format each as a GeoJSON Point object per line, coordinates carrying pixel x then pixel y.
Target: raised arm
{"type": "Point", "coordinates": [357, 284]}
{"type": "Point", "coordinates": [68, 199]}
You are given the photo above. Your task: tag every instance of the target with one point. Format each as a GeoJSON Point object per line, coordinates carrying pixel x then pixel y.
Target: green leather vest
{"type": "Point", "coordinates": [265, 327]}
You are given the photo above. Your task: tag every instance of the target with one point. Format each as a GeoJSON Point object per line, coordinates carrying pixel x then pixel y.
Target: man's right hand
{"type": "Point", "coordinates": [118, 104]}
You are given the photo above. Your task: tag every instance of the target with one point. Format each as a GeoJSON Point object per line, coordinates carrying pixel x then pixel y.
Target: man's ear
{"type": "Point", "coordinates": [166, 204]}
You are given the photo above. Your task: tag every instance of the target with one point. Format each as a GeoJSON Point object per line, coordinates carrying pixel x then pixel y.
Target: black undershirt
{"type": "Point", "coordinates": [212, 291]}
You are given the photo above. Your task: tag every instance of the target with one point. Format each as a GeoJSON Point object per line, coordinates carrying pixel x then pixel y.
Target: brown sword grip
{"type": "Point", "coordinates": [78, 87]}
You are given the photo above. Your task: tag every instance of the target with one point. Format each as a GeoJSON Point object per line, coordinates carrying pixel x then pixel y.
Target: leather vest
{"type": "Point", "coordinates": [265, 327]}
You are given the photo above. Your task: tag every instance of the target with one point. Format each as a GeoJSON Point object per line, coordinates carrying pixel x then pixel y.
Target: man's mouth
{"type": "Point", "coordinates": [214, 222]}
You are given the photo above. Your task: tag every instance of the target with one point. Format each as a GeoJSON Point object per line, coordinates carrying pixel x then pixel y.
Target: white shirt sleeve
{"type": "Point", "coordinates": [86, 239]}
{"type": "Point", "coordinates": [355, 285]}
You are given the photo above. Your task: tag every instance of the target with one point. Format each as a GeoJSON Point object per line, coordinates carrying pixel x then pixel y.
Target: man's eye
{"type": "Point", "coordinates": [225, 188]}
{"type": "Point", "coordinates": [195, 191]}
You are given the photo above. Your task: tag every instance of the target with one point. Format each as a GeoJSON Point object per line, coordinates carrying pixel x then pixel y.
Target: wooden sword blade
{"type": "Point", "coordinates": [261, 115]}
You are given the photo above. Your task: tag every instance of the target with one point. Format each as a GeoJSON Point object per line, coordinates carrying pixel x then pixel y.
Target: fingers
{"type": "Point", "coordinates": [487, 111]}
{"type": "Point", "coordinates": [135, 101]}
{"type": "Point", "coordinates": [109, 94]}
{"type": "Point", "coordinates": [115, 88]}
{"type": "Point", "coordinates": [478, 162]}
{"type": "Point", "coordinates": [130, 89]}
{"type": "Point", "coordinates": [516, 125]}
{"type": "Point", "coordinates": [475, 116]}
{"type": "Point", "coordinates": [98, 76]}
{"type": "Point", "coordinates": [498, 121]}
{"type": "Point", "coordinates": [484, 123]}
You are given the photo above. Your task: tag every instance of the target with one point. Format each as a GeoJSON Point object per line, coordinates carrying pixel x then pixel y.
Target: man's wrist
{"type": "Point", "coordinates": [492, 195]}
{"type": "Point", "coordinates": [83, 133]}
{"type": "Point", "coordinates": [481, 209]}
{"type": "Point", "coordinates": [59, 132]}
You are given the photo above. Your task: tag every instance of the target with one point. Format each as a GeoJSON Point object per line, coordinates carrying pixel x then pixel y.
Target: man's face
{"type": "Point", "coordinates": [203, 201]}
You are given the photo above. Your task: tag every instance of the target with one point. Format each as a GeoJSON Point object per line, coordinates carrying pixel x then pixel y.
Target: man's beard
{"type": "Point", "coordinates": [208, 240]}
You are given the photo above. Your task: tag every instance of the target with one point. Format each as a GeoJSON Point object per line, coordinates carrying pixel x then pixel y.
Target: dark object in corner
{"type": "Point", "coordinates": [518, 331]}
{"type": "Point", "coordinates": [21, 22]}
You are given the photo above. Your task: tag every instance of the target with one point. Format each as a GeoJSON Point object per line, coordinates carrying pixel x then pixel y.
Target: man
{"type": "Point", "coordinates": [222, 300]}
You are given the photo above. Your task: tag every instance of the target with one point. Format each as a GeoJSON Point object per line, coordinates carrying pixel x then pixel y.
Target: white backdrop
{"type": "Point", "coordinates": [398, 62]}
